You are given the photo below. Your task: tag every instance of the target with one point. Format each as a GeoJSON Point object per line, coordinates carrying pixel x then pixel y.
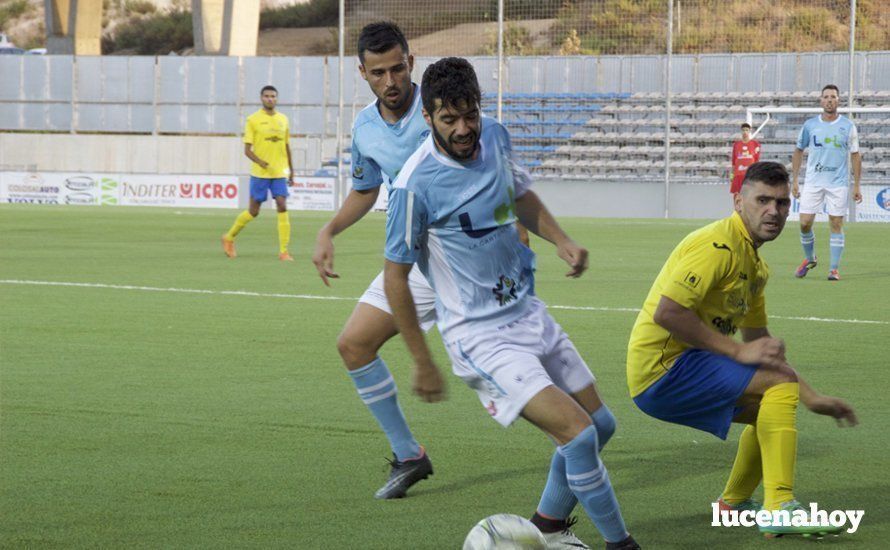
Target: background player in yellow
{"type": "Point", "coordinates": [685, 367]}
{"type": "Point", "coordinates": [266, 135]}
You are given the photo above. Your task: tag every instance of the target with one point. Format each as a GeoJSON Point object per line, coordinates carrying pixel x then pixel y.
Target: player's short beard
{"type": "Point", "coordinates": [443, 143]}
{"type": "Point", "coordinates": [399, 103]}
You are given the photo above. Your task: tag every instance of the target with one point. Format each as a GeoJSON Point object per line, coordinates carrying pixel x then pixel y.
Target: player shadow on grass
{"type": "Point", "coordinates": [635, 468]}
{"type": "Point", "coordinates": [642, 468]}
{"type": "Point", "coordinates": [494, 477]}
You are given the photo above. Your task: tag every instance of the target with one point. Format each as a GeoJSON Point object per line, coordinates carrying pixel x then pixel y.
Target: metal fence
{"type": "Point", "coordinates": [212, 95]}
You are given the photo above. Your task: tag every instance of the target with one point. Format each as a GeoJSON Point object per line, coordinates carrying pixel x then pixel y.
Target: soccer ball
{"type": "Point", "coordinates": [504, 532]}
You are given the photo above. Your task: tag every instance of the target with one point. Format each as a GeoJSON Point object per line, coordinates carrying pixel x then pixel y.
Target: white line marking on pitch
{"type": "Point", "coordinates": [344, 298]}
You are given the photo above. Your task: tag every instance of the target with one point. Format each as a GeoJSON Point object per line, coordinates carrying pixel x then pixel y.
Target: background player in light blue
{"type": "Point", "coordinates": [452, 211]}
{"type": "Point", "coordinates": [831, 140]}
{"type": "Point", "coordinates": [384, 135]}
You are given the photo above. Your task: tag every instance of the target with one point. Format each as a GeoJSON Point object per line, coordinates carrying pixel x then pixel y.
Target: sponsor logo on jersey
{"type": "Point", "coordinates": [836, 141]}
{"type": "Point", "coordinates": [724, 326]}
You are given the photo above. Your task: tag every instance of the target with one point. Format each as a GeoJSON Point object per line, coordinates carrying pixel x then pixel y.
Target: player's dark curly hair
{"type": "Point", "coordinates": [451, 80]}
{"type": "Point", "coordinates": [380, 37]}
{"type": "Point", "coordinates": [768, 172]}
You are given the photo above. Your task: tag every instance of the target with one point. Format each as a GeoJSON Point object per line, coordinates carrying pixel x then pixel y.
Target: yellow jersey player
{"type": "Point", "coordinates": [685, 367]}
{"type": "Point", "coordinates": [266, 135]}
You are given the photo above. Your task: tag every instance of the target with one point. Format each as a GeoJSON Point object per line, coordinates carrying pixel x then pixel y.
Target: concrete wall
{"type": "Point", "coordinates": [633, 200]}
{"type": "Point", "coordinates": [144, 154]}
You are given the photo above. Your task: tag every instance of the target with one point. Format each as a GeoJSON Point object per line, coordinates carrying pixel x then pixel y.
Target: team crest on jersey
{"type": "Point", "coordinates": [358, 172]}
{"type": "Point", "coordinates": [423, 135]}
{"type": "Point", "coordinates": [505, 290]}
{"type": "Point", "coordinates": [692, 279]}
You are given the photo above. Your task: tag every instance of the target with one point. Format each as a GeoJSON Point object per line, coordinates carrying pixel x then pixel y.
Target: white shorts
{"type": "Point", "coordinates": [835, 199]}
{"type": "Point", "coordinates": [421, 291]}
{"type": "Point", "coordinates": [510, 365]}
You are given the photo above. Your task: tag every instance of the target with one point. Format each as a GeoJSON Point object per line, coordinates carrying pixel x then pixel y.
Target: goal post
{"type": "Point", "coordinates": [769, 111]}
{"type": "Point", "coordinates": [777, 128]}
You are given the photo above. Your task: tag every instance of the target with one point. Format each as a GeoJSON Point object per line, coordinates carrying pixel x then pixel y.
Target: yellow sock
{"type": "Point", "coordinates": [778, 442]}
{"type": "Point", "coordinates": [747, 470]}
{"type": "Point", "coordinates": [243, 219]}
{"type": "Point", "coordinates": [283, 232]}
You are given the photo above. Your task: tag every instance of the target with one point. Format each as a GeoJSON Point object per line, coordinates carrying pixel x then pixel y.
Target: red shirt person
{"type": "Point", "coordinates": [745, 152]}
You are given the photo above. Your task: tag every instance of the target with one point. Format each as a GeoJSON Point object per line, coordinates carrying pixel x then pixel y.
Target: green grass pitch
{"type": "Point", "coordinates": [139, 418]}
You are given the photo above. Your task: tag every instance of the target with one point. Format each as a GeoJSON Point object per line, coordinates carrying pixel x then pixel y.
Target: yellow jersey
{"type": "Point", "coordinates": [715, 272]}
{"type": "Point", "coordinates": [268, 134]}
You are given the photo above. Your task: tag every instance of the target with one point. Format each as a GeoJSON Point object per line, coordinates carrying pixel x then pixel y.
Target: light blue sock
{"type": "Point", "coordinates": [557, 500]}
{"type": "Point", "coordinates": [808, 242]}
{"type": "Point", "coordinates": [589, 480]}
{"type": "Point", "coordinates": [377, 389]}
{"type": "Point", "coordinates": [836, 245]}
{"type": "Point", "coordinates": [605, 424]}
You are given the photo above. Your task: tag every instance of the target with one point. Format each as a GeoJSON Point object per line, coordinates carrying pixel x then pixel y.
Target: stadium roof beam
{"type": "Point", "coordinates": [73, 26]}
{"type": "Point", "coordinates": [226, 27]}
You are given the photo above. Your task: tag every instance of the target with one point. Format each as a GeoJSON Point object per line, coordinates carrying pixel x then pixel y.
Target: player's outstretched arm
{"type": "Point", "coordinates": [427, 381]}
{"type": "Point", "coordinates": [356, 205]}
{"type": "Point", "coordinates": [685, 324]}
{"type": "Point", "coordinates": [827, 405]}
{"type": "Point", "coordinates": [536, 218]}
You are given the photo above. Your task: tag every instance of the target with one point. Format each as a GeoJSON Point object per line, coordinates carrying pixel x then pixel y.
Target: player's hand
{"type": "Point", "coordinates": [427, 382]}
{"type": "Point", "coordinates": [766, 351]}
{"type": "Point", "coordinates": [323, 258]}
{"type": "Point", "coordinates": [857, 195]}
{"type": "Point", "coordinates": [290, 181]}
{"type": "Point", "coordinates": [795, 190]}
{"type": "Point", "coordinates": [575, 256]}
{"type": "Point", "coordinates": [836, 408]}
{"type": "Point", "coordinates": [264, 164]}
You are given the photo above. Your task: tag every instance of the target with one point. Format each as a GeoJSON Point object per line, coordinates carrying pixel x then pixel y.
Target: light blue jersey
{"type": "Point", "coordinates": [830, 145]}
{"type": "Point", "coordinates": [456, 221]}
{"type": "Point", "coordinates": [380, 149]}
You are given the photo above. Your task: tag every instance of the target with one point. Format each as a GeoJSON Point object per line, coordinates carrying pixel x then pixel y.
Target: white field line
{"type": "Point", "coordinates": [345, 298]}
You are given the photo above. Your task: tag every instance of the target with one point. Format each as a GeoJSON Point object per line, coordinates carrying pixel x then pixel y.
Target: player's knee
{"type": "Point", "coordinates": [354, 351]}
{"type": "Point", "coordinates": [584, 438]}
{"type": "Point", "coordinates": [783, 375]}
{"type": "Point", "coordinates": [570, 428]}
{"type": "Point", "coordinates": [605, 424]}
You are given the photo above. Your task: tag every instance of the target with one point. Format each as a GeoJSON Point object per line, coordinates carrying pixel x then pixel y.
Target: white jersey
{"type": "Point", "coordinates": [380, 149]}
{"type": "Point", "coordinates": [830, 145]}
{"type": "Point", "coordinates": [456, 221]}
